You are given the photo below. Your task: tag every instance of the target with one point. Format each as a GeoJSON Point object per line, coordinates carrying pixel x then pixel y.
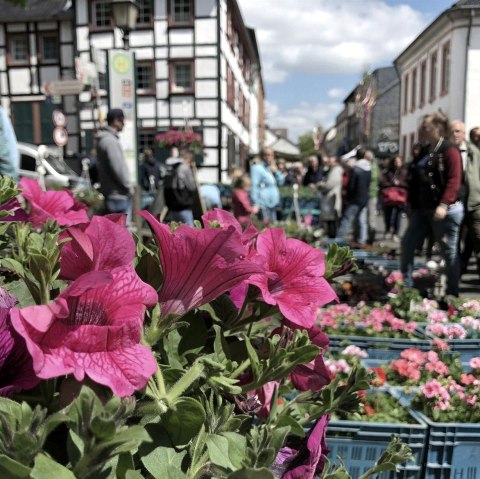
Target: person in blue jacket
{"type": "Point", "coordinates": [9, 155]}
{"type": "Point", "coordinates": [265, 182]}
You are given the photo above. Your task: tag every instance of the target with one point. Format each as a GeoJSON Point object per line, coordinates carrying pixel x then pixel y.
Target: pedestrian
{"type": "Point", "coordinates": [116, 183]}
{"type": "Point", "coordinates": [314, 173]}
{"type": "Point", "coordinates": [180, 188]}
{"type": "Point", "coordinates": [242, 207]}
{"type": "Point", "coordinates": [150, 177]}
{"type": "Point", "coordinates": [357, 199]}
{"type": "Point", "coordinates": [475, 136]}
{"type": "Point", "coordinates": [372, 197]}
{"type": "Point", "coordinates": [434, 187]}
{"type": "Point", "coordinates": [9, 155]}
{"type": "Point", "coordinates": [331, 201]}
{"type": "Point", "coordinates": [265, 182]}
{"type": "Point", "coordinates": [394, 193]}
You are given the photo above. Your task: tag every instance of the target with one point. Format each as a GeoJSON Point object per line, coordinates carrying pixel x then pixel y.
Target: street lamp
{"type": "Point", "coordinates": [125, 14]}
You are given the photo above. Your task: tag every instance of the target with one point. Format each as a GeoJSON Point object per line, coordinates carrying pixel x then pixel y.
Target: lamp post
{"type": "Point", "coordinates": [125, 14]}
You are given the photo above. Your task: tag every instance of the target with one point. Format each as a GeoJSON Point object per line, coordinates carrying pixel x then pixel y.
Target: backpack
{"type": "Point", "coordinates": [177, 196]}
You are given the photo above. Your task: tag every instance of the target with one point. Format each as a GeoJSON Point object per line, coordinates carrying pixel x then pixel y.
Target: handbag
{"type": "Point", "coordinates": [394, 196]}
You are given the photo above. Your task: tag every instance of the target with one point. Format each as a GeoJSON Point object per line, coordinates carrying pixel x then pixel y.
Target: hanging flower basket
{"type": "Point", "coordinates": [182, 139]}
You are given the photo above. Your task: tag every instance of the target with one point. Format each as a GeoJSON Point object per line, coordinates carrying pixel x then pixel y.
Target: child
{"type": "Point", "coordinates": [242, 207]}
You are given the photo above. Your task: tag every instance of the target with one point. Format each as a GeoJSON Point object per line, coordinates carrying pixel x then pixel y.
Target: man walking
{"type": "Point", "coordinates": [357, 198]}
{"type": "Point", "coordinates": [113, 175]}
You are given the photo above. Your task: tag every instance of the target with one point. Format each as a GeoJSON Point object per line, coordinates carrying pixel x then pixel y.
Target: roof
{"type": "Point", "coordinates": [35, 10]}
{"type": "Point", "coordinates": [282, 147]}
{"type": "Point", "coordinates": [467, 3]}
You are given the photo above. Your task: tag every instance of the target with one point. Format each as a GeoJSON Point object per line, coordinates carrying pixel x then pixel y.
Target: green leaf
{"type": "Point", "coordinates": [289, 421]}
{"type": "Point", "coordinates": [103, 428]}
{"type": "Point", "coordinates": [237, 445]}
{"type": "Point", "coordinates": [11, 409]}
{"type": "Point", "coordinates": [75, 447]}
{"type": "Point", "coordinates": [254, 361]}
{"type": "Point", "coordinates": [46, 468]}
{"type": "Point", "coordinates": [194, 337]}
{"type": "Point", "coordinates": [13, 265]}
{"type": "Point", "coordinates": [250, 473]}
{"type": "Point", "coordinates": [164, 463]}
{"type": "Point", "coordinates": [125, 464]}
{"type": "Point", "coordinates": [218, 451]}
{"type": "Point", "coordinates": [225, 309]}
{"type": "Point", "coordinates": [133, 475]}
{"type": "Point", "coordinates": [13, 468]}
{"type": "Point", "coordinates": [184, 420]}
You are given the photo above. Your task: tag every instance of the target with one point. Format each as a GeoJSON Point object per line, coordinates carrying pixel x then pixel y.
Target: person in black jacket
{"type": "Point", "coordinates": [357, 199]}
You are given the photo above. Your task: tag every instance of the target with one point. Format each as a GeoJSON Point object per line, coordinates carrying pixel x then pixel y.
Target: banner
{"type": "Point", "coordinates": [122, 94]}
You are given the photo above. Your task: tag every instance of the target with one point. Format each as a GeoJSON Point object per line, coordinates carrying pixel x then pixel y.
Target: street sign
{"type": "Point", "coordinates": [63, 87]}
{"type": "Point", "coordinates": [59, 118]}
{"type": "Point", "coordinates": [60, 136]}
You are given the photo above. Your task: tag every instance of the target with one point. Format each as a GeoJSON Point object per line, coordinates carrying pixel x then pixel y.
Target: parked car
{"type": "Point", "coordinates": [35, 160]}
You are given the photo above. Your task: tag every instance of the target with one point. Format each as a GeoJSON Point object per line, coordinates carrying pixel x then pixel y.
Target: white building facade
{"type": "Point", "coordinates": [440, 70]}
{"type": "Point", "coordinates": [196, 63]}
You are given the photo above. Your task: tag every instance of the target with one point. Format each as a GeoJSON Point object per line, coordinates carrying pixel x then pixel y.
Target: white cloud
{"type": "Point", "coordinates": [336, 93]}
{"type": "Point", "coordinates": [328, 37]}
{"type": "Point", "coordinates": [301, 118]}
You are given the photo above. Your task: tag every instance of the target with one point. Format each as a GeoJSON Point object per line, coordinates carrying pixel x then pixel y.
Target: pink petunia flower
{"type": "Point", "coordinates": [294, 277]}
{"type": "Point", "coordinates": [312, 376]}
{"type": "Point", "coordinates": [58, 205]}
{"type": "Point", "coordinates": [263, 396]}
{"type": "Point", "coordinates": [16, 369]}
{"type": "Point", "coordinates": [93, 328]}
{"type": "Point", "coordinates": [198, 265]}
{"type": "Point", "coordinates": [16, 212]}
{"type": "Point", "coordinates": [101, 245]}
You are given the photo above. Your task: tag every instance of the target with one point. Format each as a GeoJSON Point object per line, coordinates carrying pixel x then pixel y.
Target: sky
{"type": "Point", "coordinates": [313, 52]}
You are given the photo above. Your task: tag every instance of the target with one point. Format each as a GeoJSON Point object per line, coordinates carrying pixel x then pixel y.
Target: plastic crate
{"type": "Point", "coordinates": [453, 450]}
{"type": "Point", "coordinates": [466, 348]}
{"type": "Point", "coordinates": [360, 444]}
{"type": "Point", "coordinates": [384, 349]}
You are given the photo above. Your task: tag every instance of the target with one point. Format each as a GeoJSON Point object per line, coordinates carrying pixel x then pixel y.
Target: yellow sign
{"type": "Point", "coordinates": [121, 63]}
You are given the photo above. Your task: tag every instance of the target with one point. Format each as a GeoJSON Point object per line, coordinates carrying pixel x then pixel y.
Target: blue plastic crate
{"type": "Point", "coordinates": [453, 450]}
{"type": "Point", "coordinates": [384, 349]}
{"type": "Point", "coordinates": [466, 348]}
{"type": "Point", "coordinates": [359, 444]}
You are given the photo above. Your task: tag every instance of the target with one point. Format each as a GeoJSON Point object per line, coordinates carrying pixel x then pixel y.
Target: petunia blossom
{"type": "Point", "coordinates": [16, 212]}
{"type": "Point", "coordinates": [312, 376]}
{"type": "Point", "coordinates": [93, 328]}
{"type": "Point", "coordinates": [301, 464]}
{"type": "Point", "coordinates": [294, 277]}
{"type": "Point", "coordinates": [198, 265]}
{"type": "Point", "coordinates": [16, 369]}
{"type": "Point", "coordinates": [102, 244]}
{"type": "Point", "coordinates": [58, 205]}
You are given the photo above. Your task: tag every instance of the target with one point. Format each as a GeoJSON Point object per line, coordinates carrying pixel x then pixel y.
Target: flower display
{"type": "Point", "coordinates": [181, 139]}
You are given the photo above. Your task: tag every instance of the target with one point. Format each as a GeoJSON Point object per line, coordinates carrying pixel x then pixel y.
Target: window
{"type": "Point", "coordinates": [180, 12]}
{"type": "Point", "coordinates": [433, 76]}
{"type": "Point", "coordinates": [48, 51]}
{"type": "Point", "coordinates": [18, 51]}
{"type": "Point", "coordinates": [145, 77]}
{"type": "Point", "coordinates": [230, 88]}
{"type": "Point", "coordinates": [445, 68]}
{"type": "Point", "coordinates": [146, 139]}
{"type": "Point", "coordinates": [413, 104]}
{"type": "Point", "coordinates": [145, 13]}
{"type": "Point", "coordinates": [405, 95]}
{"type": "Point", "coordinates": [101, 15]}
{"type": "Point", "coordinates": [423, 81]}
{"type": "Point", "coordinates": [181, 76]}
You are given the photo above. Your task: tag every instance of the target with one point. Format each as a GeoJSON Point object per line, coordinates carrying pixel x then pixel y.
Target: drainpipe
{"type": "Point", "coordinates": [219, 92]}
{"type": "Point", "coordinates": [464, 104]}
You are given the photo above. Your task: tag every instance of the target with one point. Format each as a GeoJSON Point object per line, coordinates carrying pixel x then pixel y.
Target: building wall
{"type": "Point", "coordinates": [458, 102]}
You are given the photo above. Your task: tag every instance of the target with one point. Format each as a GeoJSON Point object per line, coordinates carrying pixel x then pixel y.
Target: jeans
{"type": "Point", "coordinates": [269, 214]}
{"type": "Point", "coordinates": [445, 232]}
{"type": "Point", "coordinates": [351, 213]}
{"type": "Point", "coordinates": [393, 216]}
{"type": "Point", "coordinates": [183, 216]}
{"type": "Point", "coordinates": [119, 205]}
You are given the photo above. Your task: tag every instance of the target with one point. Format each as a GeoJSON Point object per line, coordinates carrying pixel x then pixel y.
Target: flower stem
{"type": "Point", "coordinates": [185, 382]}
